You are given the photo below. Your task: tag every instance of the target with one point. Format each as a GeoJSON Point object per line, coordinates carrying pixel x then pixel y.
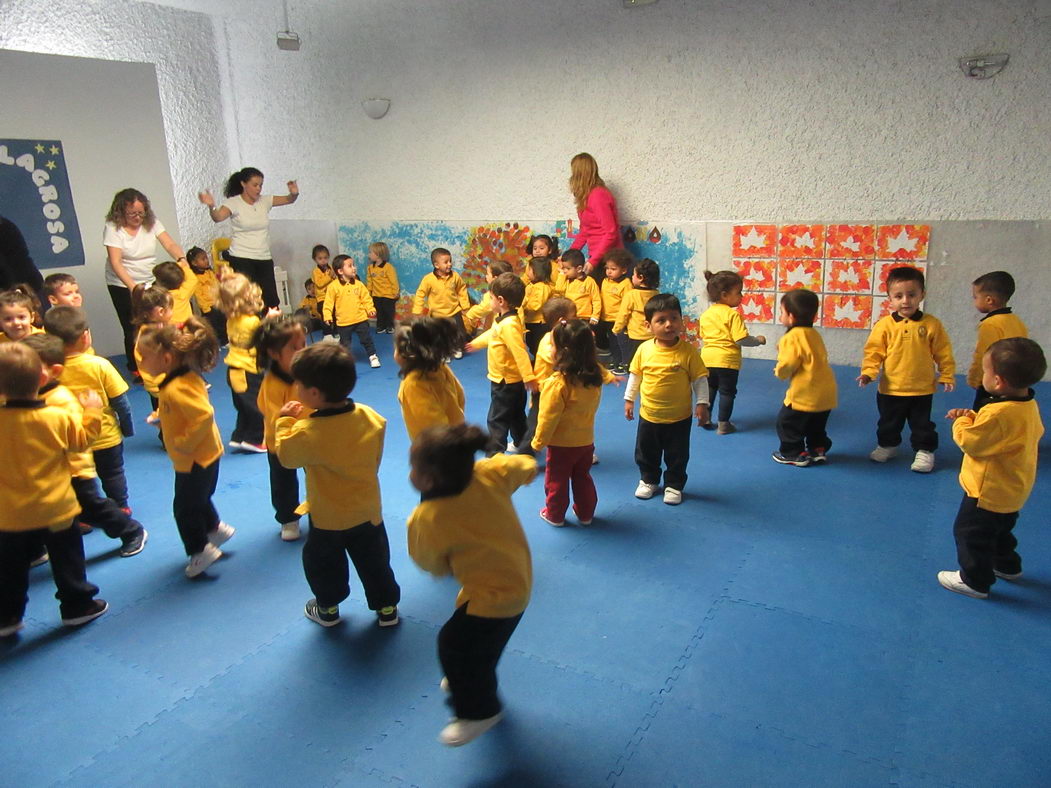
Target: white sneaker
{"type": "Point", "coordinates": [924, 462]}
{"type": "Point", "coordinates": [511, 448]}
{"type": "Point", "coordinates": [222, 534]}
{"type": "Point", "coordinates": [672, 497]}
{"type": "Point", "coordinates": [457, 354]}
{"type": "Point", "coordinates": [882, 453]}
{"type": "Point", "coordinates": [459, 732]}
{"type": "Point", "coordinates": [330, 338]}
{"type": "Point", "coordinates": [594, 459]}
{"type": "Point", "coordinates": [374, 361]}
{"type": "Point", "coordinates": [290, 531]}
{"type": "Point", "coordinates": [202, 560]}
{"type": "Point", "coordinates": [952, 581]}
{"type": "Point", "coordinates": [645, 491]}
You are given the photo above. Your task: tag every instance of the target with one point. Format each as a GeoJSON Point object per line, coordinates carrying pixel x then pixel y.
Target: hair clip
{"type": "Point", "coordinates": [563, 321]}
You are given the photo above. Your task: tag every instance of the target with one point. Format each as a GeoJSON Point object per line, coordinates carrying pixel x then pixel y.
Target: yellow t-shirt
{"type": "Point", "coordinates": [274, 392]}
{"type": "Point", "coordinates": [479, 315]}
{"type": "Point", "coordinates": [149, 382]}
{"type": "Point", "coordinates": [566, 416]}
{"type": "Point", "coordinates": [348, 303]}
{"type": "Point", "coordinates": [430, 399]}
{"type": "Point", "coordinates": [613, 295]}
{"type": "Point", "coordinates": [803, 361]}
{"type": "Point", "coordinates": [536, 295]}
{"type": "Point", "coordinates": [84, 372]}
{"type": "Point", "coordinates": [81, 463]}
{"type": "Point", "coordinates": [207, 290]}
{"type": "Point", "coordinates": [666, 376]}
{"type": "Point", "coordinates": [181, 309]}
{"type": "Point", "coordinates": [907, 350]}
{"type": "Point", "coordinates": [586, 295]}
{"type": "Point", "coordinates": [721, 329]}
{"type": "Point", "coordinates": [442, 297]}
{"type": "Point", "coordinates": [322, 279]}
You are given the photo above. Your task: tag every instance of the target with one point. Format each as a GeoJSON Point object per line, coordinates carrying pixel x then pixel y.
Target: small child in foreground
{"type": "Point", "coordinates": [999, 445]}
{"type": "Point", "coordinates": [466, 526]}
{"type": "Point", "coordinates": [430, 394]}
{"type": "Point", "coordinates": [340, 446]}
{"type": "Point", "coordinates": [991, 293]}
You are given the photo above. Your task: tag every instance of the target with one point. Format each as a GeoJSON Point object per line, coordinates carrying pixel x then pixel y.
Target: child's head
{"type": "Point", "coordinates": [17, 310]}
{"type": "Point", "coordinates": [164, 348]}
{"type": "Point", "coordinates": [70, 324]}
{"type": "Point", "coordinates": [539, 269]}
{"type": "Point", "coordinates": [344, 265]}
{"type": "Point", "coordinates": [423, 343]}
{"type": "Point", "coordinates": [442, 260]}
{"type": "Point", "coordinates": [992, 291]}
{"type": "Point", "coordinates": [542, 246]}
{"type": "Point", "coordinates": [277, 339]}
{"type": "Point", "coordinates": [169, 275]}
{"type": "Point", "coordinates": [321, 255]}
{"type": "Point", "coordinates": [324, 373]}
{"type": "Point", "coordinates": [724, 287]}
{"type": "Point", "coordinates": [442, 459]}
{"type": "Point", "coordinates": [239, 295]}
{"type": "Point", "coordinates": [21, 371]}
{"type": "Point", "coordinates": [575, 352]}
{"type": "Point", "coordinates": [51, 351]}
{"type": "Point", "coordinates": [494, 268]}
{"type": "Point", "coordinates": [62, 290]}
{"type": "Point", "coordinates": [557, 309]}
{"type": "Point", "coordinates": [617, 263]}
{"type": "Point", "coordinates": [799, 307]}
{"type": "Point", "coordinates": [572, 264]}
{"type": "Point", "coordinates": [198, 260]}
{"type": "Point", "coordinates": [379, 252]}
{"type": "Point", "coordinates": [151, 304]}
{"type": "Point", "coordinates": [1012, 364]}
{"type": "Point", "coordinates": [664, 318]}
{"type": "Point", "coordinates": [905, 289]}
{"type": "Point", "coordinates": [647, 274]}
{"type": "Point", "coordinates": [310, 288]}
{"type": "Point", "coordinates": [507, 293]}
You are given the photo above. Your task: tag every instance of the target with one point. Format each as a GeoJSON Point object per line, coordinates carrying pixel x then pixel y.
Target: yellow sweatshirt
{"type": "Point", "coordinates": [383, 280]}
{"type": "Point", "coordinates": [508, 358]}
{"type": "Point", "coordinates": [36, 491]}
{"type": "Point", "coordinates": [430, 399]}
{"type": "Point", "coordinates": [149, 382]}
{"type": "Point", "coordinates": [207, 290]}
{"type": "Point", "coordinates": [666, 376]}
{"type": "Point", "coordinates": [476, 537]}
{"type": "Point", "coordinates": [181, 309]}
{"type": "Point", "coordinates": [322, 279]}
{"type": "Point", "coordinates": [567, 412]}
{"type": "Point", "coordinates": [274, 392]}
{"type": "Point", "coordinates": [544, 363]}
{"type": "Point", "coordinates": [86, 371]}
{"type": "Point", "coordinates": [586, 295]}
{"type": "Point", "coordinates": [998, 324]}
{"type": "Point", "coordinates": [721, 329]}
{"type": "Point", "coordinates": [442, 297]}
{"type": "Point", "coordinates": [188, 421]}
{"type": "Point", "coordinates": [999, 452]}
{"type": "Point", "coordinates": [81, 463]}
{"type": "Point", "coordinates": [310, 303]}
{"type": "Point", "coordinates": [241, 355]}
{"type": "Point", "coordinates": [802, 360]}
{"type": "Point", "coordinates": [348, 303]}
{"type": "Point", "coordinates": [632, 316]}
{"type": "Point", "coordinates": [613, 293]}
{"type": "Point", "coordinates": [340, 449]}
{"type": "Point", "coordinates": [907, 350]}
{"type": "Point", "coordinates": [536, 295]}
{"type": "Point", "coordinates": [480, 314]}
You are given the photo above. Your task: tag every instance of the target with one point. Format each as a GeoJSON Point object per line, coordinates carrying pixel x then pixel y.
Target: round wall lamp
{"type": "Point", "coordinates": [376, 108]}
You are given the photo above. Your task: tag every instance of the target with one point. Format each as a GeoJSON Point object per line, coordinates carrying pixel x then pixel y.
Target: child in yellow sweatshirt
{"type": "Point", "coordinates": [429, 394]}
{"type": "Point", "coordinates": [615, 285]}
{"type": "Point", "coordinates": [631, 321]}
{"type": "Point", "coordinates": [479, 316]}
{"type": "Point", "coordinates": [383, 286]}
{"type": "Point", "coordinates": [444, 294]}
{"type": "Point", "coordinates": [991, 292]}
{"type": "Point", "coordinates": [241, 300]}
{"type": "Point", "coordinates": [179, 280]}
{"type": "Point", "coordinates": [581, 288]}
{"type": "Point", "coordinates": [538, 290]}
{"type": "Point", "coordinates": [207, 291]}
{"type": "Point", "coordinates": [348, 307]}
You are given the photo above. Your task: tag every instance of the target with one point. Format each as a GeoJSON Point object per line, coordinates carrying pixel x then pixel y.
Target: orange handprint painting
{"type": "Point", "coordinates": [851, 241]}
{"type": "Point", "coordinates": [755, 240]}
{"type": "Point", "coordinates": [793, 274]}
{"type": "Point", "coordinates": [801, 240]}
{"type": "Point", "coordinates": [848, 276]}
{"type": "Point", "coordinates": [757, 307]}
{"type": "Point", "coordinates": [902, 241]}
{"type": "Point", "coordinates": [884, 269]}
{"type": "Point", "coordinates": [847, 311]}
{"type": "Point", "coordinates": [757, 274]}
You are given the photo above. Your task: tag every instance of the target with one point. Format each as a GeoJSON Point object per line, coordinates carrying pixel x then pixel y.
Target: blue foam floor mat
{"type": "Point", "coordinates": [782, 626]}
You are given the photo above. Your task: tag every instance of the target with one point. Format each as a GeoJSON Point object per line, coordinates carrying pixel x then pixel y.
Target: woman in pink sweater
{"type": "Point", "coordinates": [597, 211]}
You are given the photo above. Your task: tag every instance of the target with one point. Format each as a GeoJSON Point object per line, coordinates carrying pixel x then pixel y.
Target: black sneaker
{"type": "Point", "coordinates": [819, 457]}
{"type": "Point", "coordinates": [40, 560]}
{"type": "Point", "coordinates": [387, 616]}
{"type": "Point", "coordinates": [133, 544]}
{"type": "Point", "coordinates": [800, 460]}
{"type": "Point", "coordinates": [94, 610]}
{"type": "Point", "coordinates": [326, 616]}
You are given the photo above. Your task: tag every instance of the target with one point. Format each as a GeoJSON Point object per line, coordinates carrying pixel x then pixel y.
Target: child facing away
{"type": "Point", "coordinates": [999, 445]}
{"type": "Point", "coordinates": [645, 279]}
{"type": "Point", "coordinates": [348, 307]}
{"type": "Point", "coordinates": [429, 394]}
{"type": "Point", "coordinates": [241, 301]}
{"type": "Point", "coordinates": [444, 293]}
{"type": "Point", "coordinates": [383, 286]}
{"type": "Point", "coordinates": [18, 311]}
{"type": "Point", "coordinates": [580, 288]}
{"type": "Point", "coordinates": [991, 293]}
{"type": "Point", "coordinates": [182, 354]}
{"type": "Point", "coordinates": [309, 309]}
{"type": "Point", "coordinates": [479, 316]}
{"type": "Point", "coordinates": [566, 423]}
{"type": "Point", "coordinates": [207, 291]}
{"type": "Point", "coordinates": [668, 373]}
{"type": "Point", "coordinates": [510, 371]}
{"type": "Point", "coordinates": [39, 504]}
{"type": "Point", "coordinates": [179, 280]}
{"type": "Point", "coordinates": [466, 526]}
{"type": "Point", "coordinates": [340, 446]}
{"type": "Point", "coordinates": [903, 350]}
{"type": "Point", "coordinates": [62, 290]}
{"type": "Point", "coordinates": [803, 361]}
{"type": "Point", "coordinates": [723, 333]}
{"type": "Point", "coordinates": [151, 305]}
{"type": "Point", "coordinates": [615, 285]}
{"type": "Point", "coordinates": [538, 289]}
{"type": "Point", "coordinates": [277, 340]}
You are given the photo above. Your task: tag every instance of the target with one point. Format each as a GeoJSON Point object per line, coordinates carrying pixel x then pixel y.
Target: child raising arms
{"type": "Point", "coordinates": [429, 394]}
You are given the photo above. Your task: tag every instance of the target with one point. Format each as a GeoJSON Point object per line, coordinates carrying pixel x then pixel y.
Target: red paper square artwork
{"type": "Point", "coordinates": [793, 274]}
{"type": "Point", "coordinates": [902, 241]}
{"type": "Point", "coordinates": [757, 274]}
{"type": "Point", "coordinates": [757, 307]}
{"type": "Point", "coordinates": [848, 276]}
{"type": "Point", "coordinates": [884, 269]}
{"type": "Point", "coordinates": [801, 240]}
{"type": "Point", "coordinates": [847, 311]}
{"type": "Point", "coordinates": [755, 240]}
{"type": "Point", "coordinates": [880, 308]}
{"type": "Point", "coordinates": [851, 241]}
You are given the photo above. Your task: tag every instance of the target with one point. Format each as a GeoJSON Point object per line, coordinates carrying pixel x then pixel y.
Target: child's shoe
{"type": "Point", "coordinates": [819, 457]}
{"type": "Point", "coordinates": [645, 490]}
{"type": "Point", "coordinates": [133, 544]}
{"type": "Point", "coordinates": [547, 519]}
{"type": "Point", "coordinates": [924, 462]}
{"type": "Point", "coordinates": [221, 535]}
{"type": "Point", "coordinates": [326, 616]}
{"type": "Point", "coordinates": [672, 497]}
{"type": "Point", "coordinates": [153, 418]}
{"type": "Point", "coordinates": [594, 459]}
{"type": "Point", "coordinates": [726, 428]}
{"type": "Point", "coordinates": [709, 426]}
{"type": "Point", "coordinates": [290, 531]}
{"type": "Point", "coordinates": [253, 448]}
{"type": "Point", "coordinates": [459, 732]}
{"type": "Point", "coordinates": [953, 582]}
{"type": "Point", "coordinates": [374, 361]}
{"type": "Point", "coordinates": [85, 528]}
{"type": "Point", "coordinates": [387, 616]}
{"type": "Point", "coordinates": [1007, 575]}
{"type": "Point", "coordinates": [40, 560]}
{"type": "Point", "coordinates": [457, 354]}
{"type": "Point", "coordinates": [13, 626]}
{"type": "Point", "coordinates": [800, 460]}
{"type": "Point", "coordinates": [93, 611]}
{"type": "Point", "coordinates": [200, 561]}
{"type": "Point", "coordinates": [882, 453]}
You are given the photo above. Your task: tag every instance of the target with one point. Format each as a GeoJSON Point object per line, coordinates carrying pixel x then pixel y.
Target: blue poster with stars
{"type": "Point", "coordinates": [35, 195]}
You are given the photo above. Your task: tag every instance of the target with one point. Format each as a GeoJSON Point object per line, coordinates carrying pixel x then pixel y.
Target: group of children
{"type": "Point", "coordinates": [66, 409]}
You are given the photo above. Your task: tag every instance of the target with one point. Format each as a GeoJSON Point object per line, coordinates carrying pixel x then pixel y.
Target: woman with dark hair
{"type": "Point", "coordinates": [131, 236]}
{"type": "Point", "coordinates": [249, 211]}
{"type": "Point", "coordinates": [597, 212]}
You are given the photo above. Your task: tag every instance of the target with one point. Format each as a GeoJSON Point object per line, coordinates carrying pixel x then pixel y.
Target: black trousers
{"type": "Point", "coordinates": [801, 430]}
{"type": "Point", "coordinates": [532, 416]}
{"type": "Point", "coordinates": [984, 542]}
{"type": "Point", "coordinates": [723, 381]}
{"type": "Point", "coordinates": [670, 442]}
{"type": "Point", "coordinates": [460, 336]}
{"type": "Point", "coordinates": [284, 490]}
{"type": "Point", "coordinates": [507, 415]}
{"type": "Point", "coordinates": [66, 548]}
{"type": "Point", "coordinates": [249, 425]}
{"type": "Point", "coordinates": [121, 298]}
{"type": "Point", "coordinates": [894, 411]}
{"type": "Point", "coordinates": [102, 512]}
{"type": "Point", "coordinates": [384, 312]}
{"type": "Point", "coordinates": [605, 339]}
{"type": "Point", "coordinates": [109, 464]}
{"type": "Point", "coordinates": [195, 515]}
{"type": "Point", "coordinates": [628, 347]}
{"type": "Point", "coordinates": [469, 648]}
{"type": "Point", "coordinates": [328, 574]}
{"type": "Point", "coordinates": [534, 333]}
{"type": "Point", "coordinates": [262, 273]}
{"type": "Point", "coordinates": [346, 334]}
{"type": "Point", "coordinates": [217, 320]}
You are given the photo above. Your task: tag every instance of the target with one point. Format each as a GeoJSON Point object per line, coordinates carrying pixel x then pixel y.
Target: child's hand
{"type": "Point", "coordinates": [532, 386]}
{"type": "Point", "coordinates": [593, 321]}
{"type": "Point", "coordinates": [206, 198]}
{"type": "Point", "coordinates": [618, 379]}
{"type": "Point", "coordinates": [273, 311]}
{"type": "Point", "coordinates": [704, 416]}
{"type": "Point", "coordinates": [291, 408]}
{"type": "Point", "coordinates": [863, 380]}
{"type": "Point", "coordinates": [90, 399]}
{"type": "Point", "coordinates": [956, 413]}
{"type": "Point", "coordinates": [948, 386]}
{"type": "Point", "coordinates": [629, 410]}
{"type": "Point", "coordinates": [760, 339]}
{"type": "Point", "coordinates": [293, 188]}
{"type": "Point", "coordinates": [469, 348]}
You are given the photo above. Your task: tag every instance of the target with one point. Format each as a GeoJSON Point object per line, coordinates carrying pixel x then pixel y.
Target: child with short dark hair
{"type": "Point", "coordinates": [579, 287]}
{"type": "Point", "coordinates": [479, 316]}
{"type": "Point", "coordinates": [179, 280]}
{"type": "Point", "coordinates": [429, 394]}
{"type": "Point", "coordinates": [322, 275]}
{"type": "Point", "coordinates": [906, 346]}
{"type": "Point", "coordinates": [62, 290]}
{"type": "Point", "coordinates": [241, 300]}
{"type": "Point", "coordinates": [668, 373]}
{"type": "Point", "coordinates": [348, 307]}
{"type": "Point", "coordinates": [1000, 444]}
{"type": "Point", "coordinates": [538, 290]}
{"type": "Point", "coordinates": [466, 526]}
{"type": "Point", "coordinates": [206, 291]}
{"type": "Point", "coordinates": [803, 361]}
{"type": "Point", "coordinates": [645, 279]}
{"type": "Point", "coordinates": [991, 293]}
{"type": "Point", "coordinates": [383, 286]}
{"type": "Point", "coordinates": [340, 446]}
{"type": "Point", "coordinates": [444, 293]}
{"type": "Point", "coordinates": [615, 285]}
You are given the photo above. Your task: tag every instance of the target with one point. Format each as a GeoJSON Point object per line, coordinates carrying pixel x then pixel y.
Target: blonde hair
{"type": "Point", "coordinates": [239, 295]}
{"type": "Point", "coordinates": [381, 249]}
{"type": "Point", "coordinates": [583, 177]}
{"type": "Point", "coordinates": [193, 344]}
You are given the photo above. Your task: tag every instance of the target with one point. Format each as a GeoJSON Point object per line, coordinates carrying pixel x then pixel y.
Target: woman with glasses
{"type": "Point", "coordinates": [131, 237]}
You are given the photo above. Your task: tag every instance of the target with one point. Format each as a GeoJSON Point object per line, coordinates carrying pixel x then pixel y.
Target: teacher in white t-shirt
{"type": "Point", "coordinates": [131, 237]}
{"type": "Point", "coordinates": [249, 211]}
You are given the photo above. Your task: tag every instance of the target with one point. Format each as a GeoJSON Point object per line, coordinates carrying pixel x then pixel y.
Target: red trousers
{"type": "Point", "coordinates": [570, 465]}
